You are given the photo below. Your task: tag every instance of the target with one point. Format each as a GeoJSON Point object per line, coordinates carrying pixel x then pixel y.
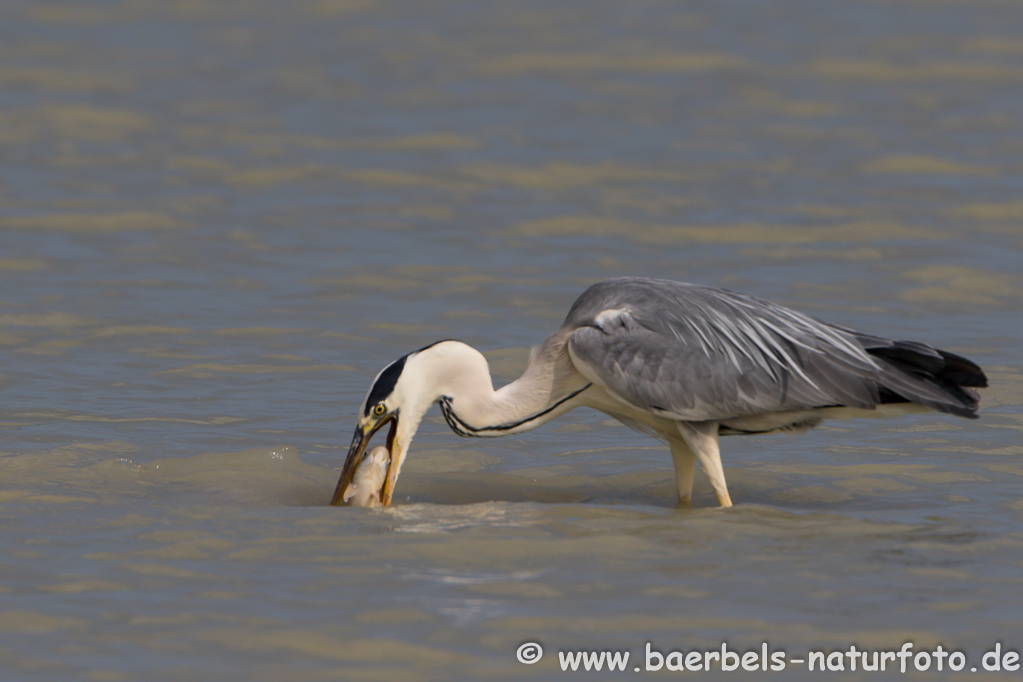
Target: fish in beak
{"type": "Point", "coordinates": [363, 434]}
{"type": "Point", "coordinates": [399, 397]}
{"type": "Point", "coordinates": [366, 485]}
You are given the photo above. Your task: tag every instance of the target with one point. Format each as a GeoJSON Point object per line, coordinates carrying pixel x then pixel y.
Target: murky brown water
{"type": "Point", "coordinates": [219, 220]}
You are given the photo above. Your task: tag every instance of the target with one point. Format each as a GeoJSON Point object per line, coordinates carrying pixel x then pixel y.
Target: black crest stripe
{"type": "Point", "coordinates": [388, 378]}
{"type": "Point", "coordinates": [385, 383]}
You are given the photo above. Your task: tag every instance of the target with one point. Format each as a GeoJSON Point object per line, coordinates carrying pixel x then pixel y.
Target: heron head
{"type": "Point", "coordinates": [398, 398]}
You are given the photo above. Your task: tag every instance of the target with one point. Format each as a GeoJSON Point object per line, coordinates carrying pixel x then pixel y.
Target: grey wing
{"type": "Point", "coordinates": [697, 353]}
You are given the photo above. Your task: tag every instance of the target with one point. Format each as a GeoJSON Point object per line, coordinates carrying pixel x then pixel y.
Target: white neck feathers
{"type": "Point", "coordinates": [458, 377]}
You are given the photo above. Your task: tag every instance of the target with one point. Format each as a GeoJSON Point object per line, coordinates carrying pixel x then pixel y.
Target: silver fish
{"type": "Point", "coordinates": [364, 490]}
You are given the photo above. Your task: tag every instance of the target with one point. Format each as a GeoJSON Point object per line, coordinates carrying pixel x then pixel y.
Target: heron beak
{"type": "Point", "coordinates": [397, 449]}
{"type": "Point", "coordinates": [360, 440]}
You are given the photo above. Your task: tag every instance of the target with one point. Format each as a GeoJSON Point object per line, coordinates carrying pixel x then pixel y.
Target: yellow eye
{"type": "Point", "coordinates": [379, 409]}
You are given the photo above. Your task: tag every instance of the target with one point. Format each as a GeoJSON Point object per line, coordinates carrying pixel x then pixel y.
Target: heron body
{"type": "Point", "coordinates": [683, 362]}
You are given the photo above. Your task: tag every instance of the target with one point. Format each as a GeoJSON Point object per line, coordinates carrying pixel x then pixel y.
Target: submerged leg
{"type": "Point", "coordinates": [685, 464]}
{"type": "Point", "coordinates": [702, 439]}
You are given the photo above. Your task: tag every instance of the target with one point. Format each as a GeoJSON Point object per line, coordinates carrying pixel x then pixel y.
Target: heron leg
{"type": "Point", "coordinates": [685, 465]}
{"type": "Point", "coordinates": [702, 439]}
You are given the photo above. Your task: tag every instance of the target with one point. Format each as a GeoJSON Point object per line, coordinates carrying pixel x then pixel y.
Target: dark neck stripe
{"type": "Point", "coordinates": [462, 429]}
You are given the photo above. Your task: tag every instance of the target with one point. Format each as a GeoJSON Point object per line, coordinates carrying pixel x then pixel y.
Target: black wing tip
{"type": "Point", "coordinates": [938, 392]}
{"type": "Point", "coordinates": [921, 358]}
{"type": "Point", "coordinates": [961, 371]}
{"type": "Point", "coordinates": [953, 375]}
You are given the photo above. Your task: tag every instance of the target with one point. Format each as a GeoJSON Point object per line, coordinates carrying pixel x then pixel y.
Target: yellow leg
{"type": "Point", "coordinates": [685, 465]}
{"type": "Point", "coordinates": [702, 440]}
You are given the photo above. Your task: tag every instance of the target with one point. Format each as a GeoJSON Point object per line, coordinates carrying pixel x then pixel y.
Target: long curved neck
{"type": "Point", "coordinates": [508, 410]}
{"type": "Point", "coordinates": [472, 407]}
{"type": "Point", "coordinates": [457, 376]}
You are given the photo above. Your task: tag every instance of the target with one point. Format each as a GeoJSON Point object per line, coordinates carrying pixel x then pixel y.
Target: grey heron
{"type": "Point", "coordinates": [684, 362]}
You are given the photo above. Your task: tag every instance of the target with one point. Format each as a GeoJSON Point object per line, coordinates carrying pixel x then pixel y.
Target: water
{"type": "Point", "coordinates": [218, 221]}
